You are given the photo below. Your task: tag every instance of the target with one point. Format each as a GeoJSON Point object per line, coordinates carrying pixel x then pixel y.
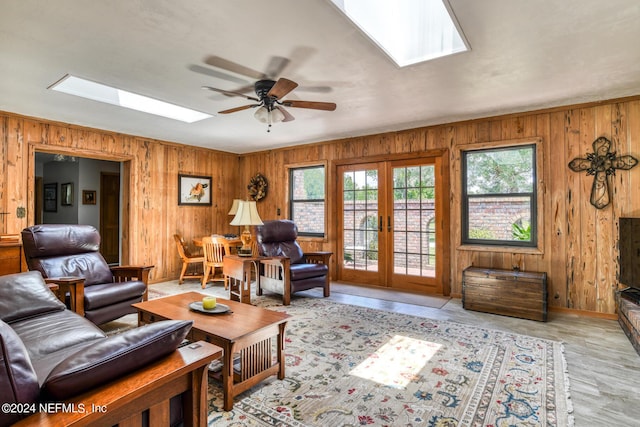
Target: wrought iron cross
{"type": "Point", "coordinates": [601, 163]}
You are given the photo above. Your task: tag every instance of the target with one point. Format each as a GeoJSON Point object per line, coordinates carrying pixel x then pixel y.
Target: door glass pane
{"type": "Point", "coordinates": [360, 220]}
{"type": "Point", "coordinates": [414, 234]}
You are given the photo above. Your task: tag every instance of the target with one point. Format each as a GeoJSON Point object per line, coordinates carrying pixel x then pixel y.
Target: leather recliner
{"type": "Point", "coordinates": [67, 253]}
{"type": "Point", "coordinates": [288, 268]}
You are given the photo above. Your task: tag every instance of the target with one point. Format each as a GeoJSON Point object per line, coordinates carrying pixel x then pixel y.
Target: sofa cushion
{"type": "Point", "coordinates": [278, 238]}
{"type": "Point", "coordinates": [55, 332]}
{"type": "Point", "coordinates": [24, 295]}
{"type": "Point", "coordinates": [46, 240]}
{"type": "Point", "coordinates": [114, 357]}
{"type": "Point", "coordinates": [97, 296]}
{"type": "Point", "coordinates": [306, 271]}
{"type": "Point", "coordinates": [18, 380]}
{"type": "Point", "coordinates": [90, 266]}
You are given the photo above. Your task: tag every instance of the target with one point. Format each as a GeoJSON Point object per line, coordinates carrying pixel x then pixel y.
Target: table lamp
{"type": "Point", "coordinates": [234, 209]}
{"type": "Point", "coordinates": [246, 215]}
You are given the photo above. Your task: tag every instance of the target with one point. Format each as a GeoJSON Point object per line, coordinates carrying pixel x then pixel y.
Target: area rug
{"type": "Point", "coordinates": [348, 365]}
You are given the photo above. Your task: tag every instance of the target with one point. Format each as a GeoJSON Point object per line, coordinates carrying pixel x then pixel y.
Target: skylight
{"type": "Point", "coordinates": [409, 31]}
{"type": "Point", "coordinates": [98, 92]}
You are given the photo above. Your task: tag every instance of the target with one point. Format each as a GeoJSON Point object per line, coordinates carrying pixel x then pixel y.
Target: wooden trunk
{"type": "Point", "coordinates": [508, 292]}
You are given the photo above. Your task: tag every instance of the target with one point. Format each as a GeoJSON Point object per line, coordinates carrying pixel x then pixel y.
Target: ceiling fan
{"type": "Point", "coordinates": [270, 103]}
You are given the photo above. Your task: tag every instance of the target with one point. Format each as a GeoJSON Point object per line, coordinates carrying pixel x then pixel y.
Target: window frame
{"type": "Point", "coordinates": [292, 201]}
{"type": "Point", "coordinates": [536, 200]}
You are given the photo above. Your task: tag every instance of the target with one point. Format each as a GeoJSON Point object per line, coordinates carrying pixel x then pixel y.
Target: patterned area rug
{"type": "Point", "coordinates": [348, 365]}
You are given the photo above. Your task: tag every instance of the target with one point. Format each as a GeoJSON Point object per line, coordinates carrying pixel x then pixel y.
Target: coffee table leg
{"type": "Point", "coordinates": [280, 350]}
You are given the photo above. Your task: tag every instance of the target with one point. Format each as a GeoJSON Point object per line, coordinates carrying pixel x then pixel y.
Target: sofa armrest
{"type": "Point", "coordinates": [125, 273]}
{"type": "Point", "coordinates": [184, 372]}
{"type": "Point", "coordinates": [274, 276]}
{"type": "Point", "coordinates": [74, 286]}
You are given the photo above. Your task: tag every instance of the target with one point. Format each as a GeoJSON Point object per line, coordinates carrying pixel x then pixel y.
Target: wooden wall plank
{"type": "Point", "coordinates": [575, 234]}
{"type": "Point", "coordinates": [579, 253]}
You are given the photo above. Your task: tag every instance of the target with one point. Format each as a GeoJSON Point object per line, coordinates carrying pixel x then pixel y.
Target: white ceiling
{"type": "Point", "coordinates": [524, 55]}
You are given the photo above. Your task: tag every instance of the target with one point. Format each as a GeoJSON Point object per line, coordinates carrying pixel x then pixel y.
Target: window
{"type": "Point", "coordinates": [307, 199]}
{"type": "Point", "coordinates": [499, 196]}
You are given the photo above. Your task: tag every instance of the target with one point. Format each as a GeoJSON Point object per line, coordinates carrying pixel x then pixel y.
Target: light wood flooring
{"type": "Point", "coordinates": [604, 369]}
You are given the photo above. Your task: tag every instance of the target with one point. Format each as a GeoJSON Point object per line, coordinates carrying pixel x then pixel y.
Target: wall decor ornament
{"type": "Point", "coordinates": [602, 163]}
{"type": "Point", "coordinates": [258, 187]}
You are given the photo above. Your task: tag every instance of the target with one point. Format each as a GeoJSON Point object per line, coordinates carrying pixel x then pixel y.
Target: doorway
{"type": "Point", "coordinates": [392, 227]}
{"type": "Point", "coordinates": [95, 194]}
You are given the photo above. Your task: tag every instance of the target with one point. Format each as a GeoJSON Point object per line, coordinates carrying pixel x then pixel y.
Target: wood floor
{"type": "Point", "coordinates": [604, 369]}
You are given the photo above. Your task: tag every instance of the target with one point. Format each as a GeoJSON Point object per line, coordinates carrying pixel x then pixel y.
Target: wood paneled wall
{"type": "Point", "coordinates": [579, 250]}
{"type": "Point", "coordinates": [150, 185]}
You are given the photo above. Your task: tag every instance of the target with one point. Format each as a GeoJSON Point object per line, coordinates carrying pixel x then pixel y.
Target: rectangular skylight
{"type": "Point", "coordinates": [98, 92]}
{"type": "Point", "coordinates": [409, 31]}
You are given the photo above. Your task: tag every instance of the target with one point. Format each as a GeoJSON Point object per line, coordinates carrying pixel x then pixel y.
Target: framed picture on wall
{"type": "Point", "coordinates": [66, 194]}
{"type": "Point", "coordinates": [50, 197]}
{"type": "Point", "coordinates": [194, 190]}
{"type": "Point", "coordinates": [88, 197]}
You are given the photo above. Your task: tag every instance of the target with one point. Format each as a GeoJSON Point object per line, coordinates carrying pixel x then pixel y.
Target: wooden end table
{"type": "Point", "coordinates": [237, 269]}
{"type": "Point", "coordinates": [246, 331]}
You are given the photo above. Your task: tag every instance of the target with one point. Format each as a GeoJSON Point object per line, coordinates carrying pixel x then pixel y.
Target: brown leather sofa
{"type": "Point", "coordinates": [49, 354]}
{"type": "Point", "coordinates": [64, 253]}
{"type": "Point", "coordinates": [289, 269]}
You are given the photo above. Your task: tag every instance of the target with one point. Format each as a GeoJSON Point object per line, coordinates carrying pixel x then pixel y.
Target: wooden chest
{"type": "Point", "coordinates": [508, 292]}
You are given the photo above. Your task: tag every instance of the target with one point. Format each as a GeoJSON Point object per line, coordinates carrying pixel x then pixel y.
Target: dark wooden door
{"type": "Point", "coordinates": [110, 217]}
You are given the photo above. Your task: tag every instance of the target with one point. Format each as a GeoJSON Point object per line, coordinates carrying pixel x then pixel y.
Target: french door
{"type": "Point", "coordinates": [391, 226]}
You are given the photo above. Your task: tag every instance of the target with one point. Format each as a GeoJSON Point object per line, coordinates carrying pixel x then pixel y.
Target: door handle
{"type": "Point", "coordinates": [380, 224]}
{"type": "Point", "coordinates": [389, 223]}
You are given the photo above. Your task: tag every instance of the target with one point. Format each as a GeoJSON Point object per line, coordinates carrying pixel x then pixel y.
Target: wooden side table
{"type": "Point", "coordinates": [238, 271]}
{"type": "Point", "coordinates": [11, 257]}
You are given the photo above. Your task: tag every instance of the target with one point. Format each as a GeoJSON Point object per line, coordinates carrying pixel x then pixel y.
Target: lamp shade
{"type": "Point", "coordinates": [234, 207]}
{"type": "Point", "coordinates": [247, 214]}
{"type": "Point", "coordinates": [276, 116]}
{"type": "Point", "coordinates": [262, 115]}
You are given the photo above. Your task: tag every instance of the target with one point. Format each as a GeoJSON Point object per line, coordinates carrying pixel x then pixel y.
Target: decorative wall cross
{"type": "Point", "coordinates": [601, 163]}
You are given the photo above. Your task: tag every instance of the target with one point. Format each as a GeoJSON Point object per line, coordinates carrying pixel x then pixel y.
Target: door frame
{"type": "Point", "coordinates": [445, 224]}
{"type": "Point", "coordinates": [126, 170]}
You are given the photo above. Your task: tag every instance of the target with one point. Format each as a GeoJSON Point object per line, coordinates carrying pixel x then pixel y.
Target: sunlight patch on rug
{"type": "Point", "coordinates": [397, 362]}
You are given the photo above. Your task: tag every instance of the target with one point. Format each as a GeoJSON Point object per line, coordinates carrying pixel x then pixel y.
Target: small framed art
{"type": "Point", "coordinates": [88, 197]}
{"type": "Point", "coordinates": [66, 194]}
{"type": "Point", "coordinates": [194, 190]}
{"type": "Point", "coordinates": [50, 197]}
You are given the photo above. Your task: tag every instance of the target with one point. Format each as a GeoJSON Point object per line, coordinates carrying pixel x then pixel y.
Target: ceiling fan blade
{"type": "Point", "coordinates": [281, 88]}
{"type": "Point", "coordinates": [233, 110]}
{"type": "Point", "coordinates": [216, 74]}
{"type": "Point", "coordinates": [230, 93]}
{"type": "Point", "coordinates": [287, 116]}
{"type": "Point", "coordinates": [327, 106]}
{"type": "Point", "coordinates": [216, 61]}
{"type": "Point", "coordinates": [276, 65]}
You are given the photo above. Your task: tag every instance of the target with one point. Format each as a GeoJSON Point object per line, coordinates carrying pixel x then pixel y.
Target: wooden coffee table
{"type": "Point", "coordinates": [246, 333]}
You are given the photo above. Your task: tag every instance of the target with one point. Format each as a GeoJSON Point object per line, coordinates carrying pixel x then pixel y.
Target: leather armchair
{"type": "Point", "coordinates": [288, 269]}
{"type": "Point", "coordinates": [68, 255]}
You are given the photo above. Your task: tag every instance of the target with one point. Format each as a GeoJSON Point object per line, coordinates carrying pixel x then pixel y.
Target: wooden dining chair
{"type": "Point", "coordinates": [189, 261]}
{"type": "Point", "coordinates": [215, 248]}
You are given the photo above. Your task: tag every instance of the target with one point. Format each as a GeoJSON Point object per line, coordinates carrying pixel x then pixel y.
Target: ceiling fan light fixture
{"type": "Point", "coordinates": [262, 115]}
{"type": "Point", "coordinates": [276, 116]}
